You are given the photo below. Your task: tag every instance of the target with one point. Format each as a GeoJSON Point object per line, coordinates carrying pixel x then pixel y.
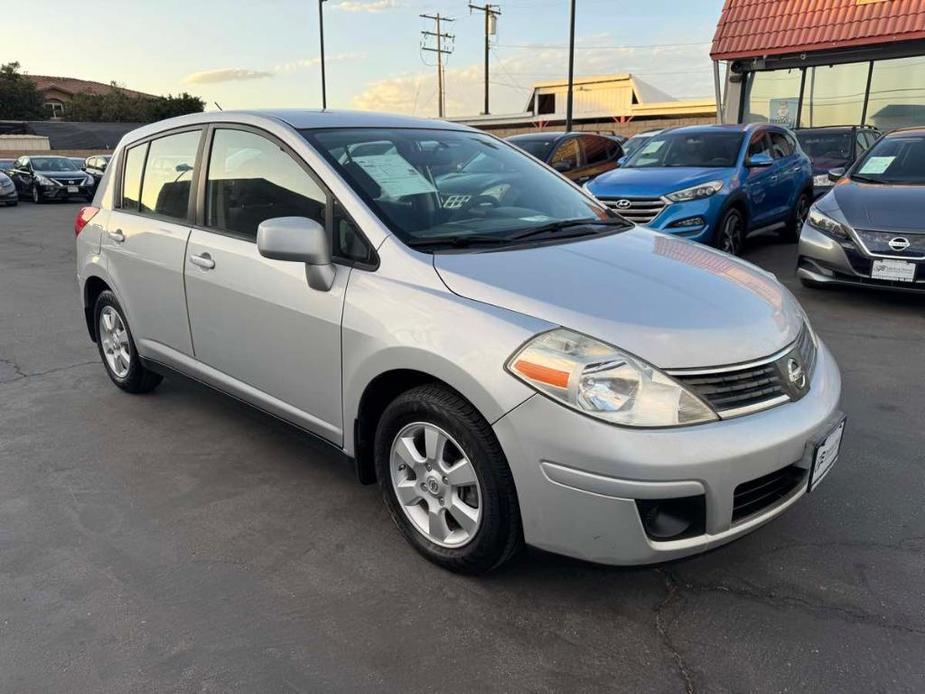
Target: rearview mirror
{"type": "Point", "coordinates": [760, 160]}
{"type": "Point", "coordinates": [836, 174]}
{"type": "Point", "coordinates": [301, 240]}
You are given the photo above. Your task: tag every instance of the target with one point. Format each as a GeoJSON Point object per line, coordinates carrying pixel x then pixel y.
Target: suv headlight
{"type": "Point", "coordinates": [827, 225]}
{"type": "Point", "coordinates": [600, 380]}
{"type": "Point", "coordinates": [704, 190]}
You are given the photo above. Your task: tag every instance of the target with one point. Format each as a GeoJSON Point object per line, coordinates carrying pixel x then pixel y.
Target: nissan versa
{"type": "Point", "coordinates": [512, 362]}
{"type": "Point", "coordinates": [713, 183]}
{"type": "Point", "coordinates": [869, 229]}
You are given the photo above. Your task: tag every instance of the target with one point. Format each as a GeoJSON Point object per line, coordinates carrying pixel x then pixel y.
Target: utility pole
{"type": "Point", "coordinates": [441, 51]}
{"type": "Point", "coordinates": [492, 12]}
{"type": "Point", "coordinates": [324, 91]}
{"type": "Point", "coordinates": [571, 72]}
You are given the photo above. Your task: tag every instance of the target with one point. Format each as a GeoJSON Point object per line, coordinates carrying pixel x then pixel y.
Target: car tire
{"type": "Point", "coordinates": [117, 347]}
{"type": "Point", "coordinates": [791, 232]}
{"type": "Point", "coordinates": [810, 284]}
{"type": "Point", "coordinates": [12, 204]}
{"type": "Point", "coordinates": [36, 197]}
{"type": "Point", "coordinates": [730, 232]}
{"type": "Point", "coordinates": [435, 493]}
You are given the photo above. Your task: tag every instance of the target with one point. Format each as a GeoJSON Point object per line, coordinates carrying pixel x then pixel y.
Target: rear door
{"type": "Point", "coordinates": [145, 241]}
{"type": "Point", "coordinates": [253, 319]}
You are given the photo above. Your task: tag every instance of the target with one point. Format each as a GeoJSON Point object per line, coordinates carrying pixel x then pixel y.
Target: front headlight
{"type": "Point", "coordinates": [827, 225]}
{"type": "Point", "coordinates": [704, 190]}
{"type": "Point", "coordinates": [599, 380]}
{"type": "Point", "coordinates": [88, 180]}
{"type": "Point", "coordinates": [822, 181]}
{"type": "Point", "coordinates": [44, 181]}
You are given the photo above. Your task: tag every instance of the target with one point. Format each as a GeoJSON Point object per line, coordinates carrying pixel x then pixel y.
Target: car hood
{"type": "Point", "coordinates": [672, 302]}
{"type": "Point", "coordinates": [653, 182]}
{"type": "Point", "coordinates": [61, 174]}
{"type": "Point", "coordinates": [881, 207]}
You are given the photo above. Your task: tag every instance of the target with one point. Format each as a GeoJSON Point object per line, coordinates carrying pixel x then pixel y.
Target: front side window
{"type": "Point", "coordinates": [165, 189]}
{"type": "Point", "coordinates": [759, 145]}
{"type": "Point", "coordinates": [597, 149]}
{"type": "Point", "coordinates": [400, 179]}
{"type": "Point", "coordinates": [566, 155]}
{"type": "Point", "coordinates": [251, 179]}
{"type": "Point", "coordinates": [899, 159]}
{"type": "Point", "coordinates": [539, 147]}
{"type": "Point", "coordinates": [780, 145]}
{"type": "Point", "coordinates": [131, 177]}
{"type": "Point", "coordinates": [688, 149]}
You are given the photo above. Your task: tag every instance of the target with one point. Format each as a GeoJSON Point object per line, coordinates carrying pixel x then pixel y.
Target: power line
{"type": "Point", "coordinates": [440, 49]}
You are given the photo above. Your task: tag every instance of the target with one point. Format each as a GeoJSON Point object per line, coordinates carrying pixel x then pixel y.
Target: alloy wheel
{"type": "Point", "coordinates": [436, 484]}
{"type": "Point", "coordinates": [35, 195]}
{"type": "Point", "coordinates": [731, 234]}
{"type": "Point", "coordinates": [802, 211]}
{"type": "Point", "coordinates": [114, 341]}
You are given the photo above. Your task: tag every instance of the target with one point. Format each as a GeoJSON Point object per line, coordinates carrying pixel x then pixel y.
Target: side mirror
{"type": "Point", "coordinates": [301, 240]}
{"type": "Point", "coordinates": [621, 161]}
{"type": "Point", "coordinates": [563, 166]}
{"type": "Point", "coordinates": [760, 161]}
{"type": "Point", "coordinates": [836, 174]}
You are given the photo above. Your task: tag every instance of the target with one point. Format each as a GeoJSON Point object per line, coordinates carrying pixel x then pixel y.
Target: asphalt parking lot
{"type": "Point", "coordinates": [184, 542]}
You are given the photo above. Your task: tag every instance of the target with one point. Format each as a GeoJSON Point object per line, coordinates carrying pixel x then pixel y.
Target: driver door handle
{"type": "Point", "coordinates": [203, 260]}
{"type": "Point", "coordinates": [116, 235]}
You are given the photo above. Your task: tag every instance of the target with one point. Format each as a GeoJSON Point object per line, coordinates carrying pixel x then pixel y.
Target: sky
{"type": "Point", "coordinates": [264, 53]}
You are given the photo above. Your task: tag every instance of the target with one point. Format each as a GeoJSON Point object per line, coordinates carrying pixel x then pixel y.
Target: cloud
{"type": "Point", "coordinates": [233, 74]}
{"type": "Point", "coordinates": [228, 74]}
{"type": "Point", "coordinates": [681, 71]}
{"type": "Point", "coordinates": [369, 6]}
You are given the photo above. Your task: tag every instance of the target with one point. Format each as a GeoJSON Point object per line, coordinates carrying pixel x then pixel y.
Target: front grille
{"type": "Point", "coordinates": [638, 210]}
{"type": "Point", "coordinates": [751, 498]}
{"type": "Point", "coordinates": [736, 390]}
{"type": "Point", "coordinates": [878, 243]}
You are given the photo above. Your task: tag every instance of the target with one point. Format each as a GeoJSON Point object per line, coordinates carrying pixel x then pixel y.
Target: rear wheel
{"type": "Point", "coordinates": [791, 232]}
{"type": "Point", "coordinates": [117, 348]}
{"type": "Point", "coordinates": [446, 482]}
{"type": "Point", "coordinates": [730, 233]}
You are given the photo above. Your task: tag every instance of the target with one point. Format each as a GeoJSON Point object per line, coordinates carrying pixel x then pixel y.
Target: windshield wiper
{"type": "Point", "coordinates": [865, 179]}
{"type": "Point", "coordinates": [459, 241]}
{"type": "Point", "coordinates": [559, 226]}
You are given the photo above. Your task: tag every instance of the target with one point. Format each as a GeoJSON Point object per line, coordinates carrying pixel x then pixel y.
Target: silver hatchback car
{"type": "Point", "coordinates": [511, 361]}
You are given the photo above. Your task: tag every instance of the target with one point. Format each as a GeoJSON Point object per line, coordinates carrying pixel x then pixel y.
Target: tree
{"type": "Point", "coordinates": [19, 99]}
{"type": "Point", "coordinates": [121, 106]}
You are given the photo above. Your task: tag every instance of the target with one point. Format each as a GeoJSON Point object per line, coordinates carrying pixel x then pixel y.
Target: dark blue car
{"type": "Point", "coordinates": [714, 184]}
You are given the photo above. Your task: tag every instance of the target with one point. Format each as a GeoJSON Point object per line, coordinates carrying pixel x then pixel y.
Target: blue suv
{"type": "Point", "coordinates": [714, 184]}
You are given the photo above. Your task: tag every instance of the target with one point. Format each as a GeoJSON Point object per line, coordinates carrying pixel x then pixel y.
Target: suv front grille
{"type": "Point", "coordinates": [750, 498]}
{"type": "Point", "coordinates": [638, 210]}
{"type": "Point", "coordinates": [741, 389]}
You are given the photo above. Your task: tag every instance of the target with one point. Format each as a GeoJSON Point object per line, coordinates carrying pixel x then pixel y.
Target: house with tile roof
{"type": "Point", "coordinates": [810, 63]}
{"type": "Point", "coordinates": [57, 91]}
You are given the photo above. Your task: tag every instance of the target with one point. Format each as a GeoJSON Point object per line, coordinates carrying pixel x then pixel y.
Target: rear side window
{"type": "Point", "coordinates": [131, 177]}
{"type": "Point", "coordinates": [566, 153]}
{"type": "Point", "coordinates": [597, 149]}
{"type": "Point", "coordinates": [166, 185]}
{"type": "Point", "coordinates": [251, 179]}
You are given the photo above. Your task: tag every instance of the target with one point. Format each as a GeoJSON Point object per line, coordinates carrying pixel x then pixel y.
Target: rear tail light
{"type": "Point", "coordinates": [84, 216]}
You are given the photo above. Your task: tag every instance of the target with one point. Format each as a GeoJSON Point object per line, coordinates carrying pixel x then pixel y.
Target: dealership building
{"type": "Point", "coordinates": [804, 63]}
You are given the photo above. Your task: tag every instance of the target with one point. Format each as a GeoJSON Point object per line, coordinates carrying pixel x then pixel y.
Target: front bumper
{"type": "Point", "coordinates": [8, 195]}
{"type": "Point", "coordinates": [823, 260]}
{"type": "Point", "coordinates": [707, 209]}
{"type": "Point", "coordinates": [578, 479]}
{"type": "Point", "coordinates": [62, 193]}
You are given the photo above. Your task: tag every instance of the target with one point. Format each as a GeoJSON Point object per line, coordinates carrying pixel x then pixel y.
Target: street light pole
{"type": "Point", "coordinates": [571, 71]}
{"type": "Point", "coordinates": [324, 92]}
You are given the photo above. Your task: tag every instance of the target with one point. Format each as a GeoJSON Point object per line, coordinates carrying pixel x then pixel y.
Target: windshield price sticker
{"type": "Point", "coordinates": [876, 165]}
{"type": "Point", "coordinates": [394, 174]}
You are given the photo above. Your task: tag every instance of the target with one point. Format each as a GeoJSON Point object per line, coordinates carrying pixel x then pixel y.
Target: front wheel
{"type": "Point", "coordinates": [445, 481]}
{"type": "Point", "coordinates": [36, 196]}
{"type": "Point", "coordinates": [730, 232]}
{"type": "Point", "coordinates": [791, 232]}
{"type": "Point", "coordinates": [117, 348]}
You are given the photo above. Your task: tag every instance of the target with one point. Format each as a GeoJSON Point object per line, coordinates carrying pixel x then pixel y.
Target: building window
{"type": "Point", "coordinates": [55, 108]}
{"type": "Point", "coordinates": [897, 94]}
{"type": "Point", "coordinates": [773, 97]}
{"type": "Point", "coordinates": [545, 104]}
{"type": "Point", "coordinates": [834, 94]}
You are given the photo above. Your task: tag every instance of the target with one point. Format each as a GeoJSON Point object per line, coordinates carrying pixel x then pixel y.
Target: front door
{"type": "Point", "coordinates": [255, 320]}
{"type": "Point", "coordinates": [145, 241]}
{"type": "Point", "coordinates": [760, 183]}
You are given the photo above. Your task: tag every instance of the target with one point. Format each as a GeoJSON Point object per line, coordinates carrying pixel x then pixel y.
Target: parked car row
{"type": "Point", "coordinates": [43, 178]}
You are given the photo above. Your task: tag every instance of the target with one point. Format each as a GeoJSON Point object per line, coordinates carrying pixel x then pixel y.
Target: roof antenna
{"type": "Point", "coordinates": [218, 106]}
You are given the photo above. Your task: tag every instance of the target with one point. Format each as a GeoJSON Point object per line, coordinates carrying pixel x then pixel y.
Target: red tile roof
{"type": "Point", "coordinates": [71, 85]}
{"type": "Point", "coordinates": [755, 28]}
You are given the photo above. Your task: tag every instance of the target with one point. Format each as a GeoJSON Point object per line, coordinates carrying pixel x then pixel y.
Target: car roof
{"type": "Point", "coordinates": [551, 135]}
{"type": "Point", "coordinates": [915, 130]}
{"type": "Point", "coordinates": [300, 119]}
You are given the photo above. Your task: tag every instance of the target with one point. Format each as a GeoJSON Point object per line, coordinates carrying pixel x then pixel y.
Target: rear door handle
{"type": "Point", "coordinates": [117, 236]}
{"type": "Point", "coordinates": [204, 261]}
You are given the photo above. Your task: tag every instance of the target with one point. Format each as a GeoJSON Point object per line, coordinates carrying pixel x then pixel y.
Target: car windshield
{"type": "Point", "coordinates": [827, 149]}
{"type": "Point", "coordinates": [539, 147]}
{"type": "Point", "coordinates": [53, 164]}
{"type": "Point", "coordinates": [697, 149]}
{"type": "Point", "coordinates": [632, 145]}
{"type": "Point", "coordinates": [896, 159]}
{"type": "Point", "coordinates": [420, 184]}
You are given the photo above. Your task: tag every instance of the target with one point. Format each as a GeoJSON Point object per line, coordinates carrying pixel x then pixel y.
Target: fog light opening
{"type": "Point", "coordinates": [673, 519]}
{"type": "Point", "coordinates": [689, 222]}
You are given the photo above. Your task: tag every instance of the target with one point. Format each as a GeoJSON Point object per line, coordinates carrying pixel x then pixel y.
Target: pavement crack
{"type": "Point", "coordinates": [19, 374]}
{"type": "Point", "coordinates": [671, 587]}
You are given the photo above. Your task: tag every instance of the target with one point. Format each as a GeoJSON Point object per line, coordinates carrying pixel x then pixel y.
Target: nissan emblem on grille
{"type": "Point", "coordinates": [796, 374]}
{"type": "Point", "coordinates": [899, 243]}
